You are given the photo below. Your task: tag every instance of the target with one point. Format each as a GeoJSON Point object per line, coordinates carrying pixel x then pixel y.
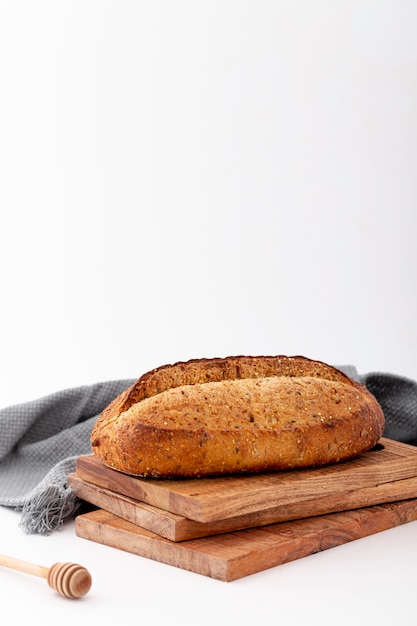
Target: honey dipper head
{"type": "Point", "coordinates": [69, 580]}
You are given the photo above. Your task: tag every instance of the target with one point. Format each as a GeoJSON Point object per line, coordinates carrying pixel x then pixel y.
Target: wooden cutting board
{"type": "Point", "coordinates": [177, 528]}
{"type": "Point", "coordinates": [230, 556]}
{"type": "Point", "coordinates": [380, 475]}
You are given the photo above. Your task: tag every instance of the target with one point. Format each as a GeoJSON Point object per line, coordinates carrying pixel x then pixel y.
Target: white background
{"type": "Point", "coordinates": [187, 179]}
{"type": "Point", "coordinates": [194, 179]}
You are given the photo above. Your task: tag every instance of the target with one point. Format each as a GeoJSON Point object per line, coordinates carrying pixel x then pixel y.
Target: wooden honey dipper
{"type": "Point", "coordinates": [68, 579]}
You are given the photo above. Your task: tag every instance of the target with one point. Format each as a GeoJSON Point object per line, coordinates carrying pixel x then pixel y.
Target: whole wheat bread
{"type": "Point", "coordinates": [237, 414]}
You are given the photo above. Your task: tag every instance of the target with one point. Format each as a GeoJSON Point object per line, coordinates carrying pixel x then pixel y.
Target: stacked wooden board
{"type": "Point", "coordinates": [231, 527]}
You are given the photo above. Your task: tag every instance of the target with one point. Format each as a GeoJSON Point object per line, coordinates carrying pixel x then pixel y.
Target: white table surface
{"type": "Point", "coordinates": [368, 581]}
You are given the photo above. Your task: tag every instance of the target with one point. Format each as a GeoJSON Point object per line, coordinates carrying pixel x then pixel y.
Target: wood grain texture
{"type": "Point", "coordinates": [231, 556]}
{"type": "Point", "coordinates": [177, 528]}
{"type": "Point", "coordinates": [212, 499]}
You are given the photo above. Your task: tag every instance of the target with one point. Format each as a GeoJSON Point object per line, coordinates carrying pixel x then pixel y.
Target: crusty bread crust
{"type": "Point", "coordinates": [237, 414]}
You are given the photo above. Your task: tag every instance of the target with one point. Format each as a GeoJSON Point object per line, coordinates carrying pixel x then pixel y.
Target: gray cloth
{"type": "Point", "coordinates": [40, 441]}
{"type": "Point", "coordinates": [398, 399]}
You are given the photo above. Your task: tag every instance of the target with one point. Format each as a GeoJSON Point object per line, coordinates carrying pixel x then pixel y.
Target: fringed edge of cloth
{"type": "Point", "coordinates": [51, 503]}
{"type": "Point", "coordinates": [48, 510]}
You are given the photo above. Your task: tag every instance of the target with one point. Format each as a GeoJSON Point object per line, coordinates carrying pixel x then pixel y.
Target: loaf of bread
{"type": "Point", "coordinates": [237, 414]}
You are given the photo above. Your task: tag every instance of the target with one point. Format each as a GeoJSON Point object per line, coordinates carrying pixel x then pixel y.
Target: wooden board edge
{"type": "Point", "coordinates": [178, 528]}
{"type": "Point", "coordinates": [201, 509]}
{"type": "Point", "coordinates": [311, 536]}
{"type": "Point", "coordinates": [109, 530]}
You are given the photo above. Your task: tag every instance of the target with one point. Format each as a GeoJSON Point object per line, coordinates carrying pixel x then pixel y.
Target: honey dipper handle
{"type": "Point", "coordinates": [24, 566]}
